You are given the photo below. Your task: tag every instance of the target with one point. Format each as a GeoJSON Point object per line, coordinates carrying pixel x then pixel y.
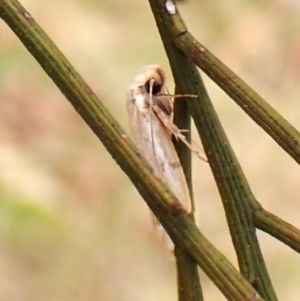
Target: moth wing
{"type": "Point", "coordinates": [170, 170]}
{"type": "Point", "coordinates": [139, 123]}
{"type": "Point", "coordinates": [154, 142]}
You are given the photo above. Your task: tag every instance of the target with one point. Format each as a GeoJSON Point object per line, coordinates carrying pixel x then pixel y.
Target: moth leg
{"type": "Point", "coordinates": [175, 131]}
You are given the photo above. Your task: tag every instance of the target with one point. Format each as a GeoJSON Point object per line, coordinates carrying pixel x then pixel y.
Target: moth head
{"type": "Point", "coordinates": [151, 76]}
{"type": "Point", "coordinates": [153, 87]}
{"type": "Point", "coordinates": [149, 88]}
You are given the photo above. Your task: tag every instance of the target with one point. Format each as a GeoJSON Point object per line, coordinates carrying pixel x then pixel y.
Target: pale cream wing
{"type": "Point", "coordinates": [154, 142]}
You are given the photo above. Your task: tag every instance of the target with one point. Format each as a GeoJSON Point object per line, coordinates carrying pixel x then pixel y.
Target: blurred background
{"type": "Point", "coordinates": [72, 226]}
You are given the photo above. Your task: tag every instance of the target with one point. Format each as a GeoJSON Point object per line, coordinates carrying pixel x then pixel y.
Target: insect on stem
{"type": "Point", "coordinates": [150, 112]}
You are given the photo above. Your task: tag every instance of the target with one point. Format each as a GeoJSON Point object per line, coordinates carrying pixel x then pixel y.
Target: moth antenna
{"type": "Point", "coordinates": [180, 95]}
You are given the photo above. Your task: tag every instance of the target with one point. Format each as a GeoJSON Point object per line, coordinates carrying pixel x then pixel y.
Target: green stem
{"type": "Point", "coordinates": [232, 184]}
{"type": "Point", "coordinates": [278, 228]}
{"type": "Point", "coordinates": [287, 136]}
{"type": "Point", "coordinates": [188, 282]}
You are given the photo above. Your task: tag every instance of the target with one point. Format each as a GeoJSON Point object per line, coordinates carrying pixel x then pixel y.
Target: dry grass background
{"type": "Point", "coordinates": [72, 227]}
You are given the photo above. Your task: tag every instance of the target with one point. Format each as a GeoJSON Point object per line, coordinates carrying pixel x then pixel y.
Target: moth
{"type": "Point", "coordinates": [150, 112]}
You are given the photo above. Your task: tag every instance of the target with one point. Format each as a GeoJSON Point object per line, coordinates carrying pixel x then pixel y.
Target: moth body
{"type": "Point", "coordinates": [150, 112]}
